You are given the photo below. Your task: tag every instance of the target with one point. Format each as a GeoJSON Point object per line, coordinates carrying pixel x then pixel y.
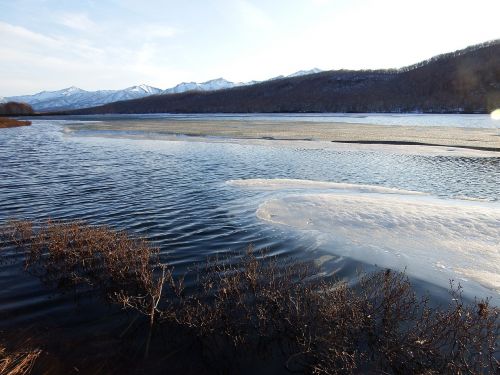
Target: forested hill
{"type": "Point", "coordinates": [463, 81]}
{"type": "Point", "coordinates": [15, 109]}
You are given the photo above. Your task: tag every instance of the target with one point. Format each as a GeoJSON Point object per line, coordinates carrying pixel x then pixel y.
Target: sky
{"type": "Point", "coordinates": [113, 44]}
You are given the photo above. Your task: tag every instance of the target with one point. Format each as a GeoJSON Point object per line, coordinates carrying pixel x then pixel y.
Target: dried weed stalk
{"type": "Point", "coordinates": [262, 306]}
{"type": "Point", "coordinates": [18, 362]}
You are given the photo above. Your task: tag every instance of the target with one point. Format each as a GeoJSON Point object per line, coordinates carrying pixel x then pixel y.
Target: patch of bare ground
{"type": "Point", "coordinates": [264, 308]}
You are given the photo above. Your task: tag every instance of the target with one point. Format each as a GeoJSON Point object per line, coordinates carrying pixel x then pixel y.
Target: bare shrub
{"type": "Point", "coordinates": [265, 307]}
{"type": "Point", "coordinates": [76, 253]}
{"type": "Point", "coordinates": [383, 325]}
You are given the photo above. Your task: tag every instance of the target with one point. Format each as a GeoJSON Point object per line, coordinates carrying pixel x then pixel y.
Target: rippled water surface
{"type": "Point", "coordinates": [175, 194]}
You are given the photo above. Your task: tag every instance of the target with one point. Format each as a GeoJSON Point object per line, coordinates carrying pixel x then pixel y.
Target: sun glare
{"type": "Point", "coordinates": [495, 115]}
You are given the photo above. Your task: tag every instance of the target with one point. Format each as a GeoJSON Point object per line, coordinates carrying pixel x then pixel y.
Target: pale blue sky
{"type": "Point", "coordinates": [49, 44]}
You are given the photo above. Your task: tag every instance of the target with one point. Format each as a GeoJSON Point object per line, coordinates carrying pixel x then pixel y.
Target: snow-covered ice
{"type": "Point", "coordinates": [433, 239]}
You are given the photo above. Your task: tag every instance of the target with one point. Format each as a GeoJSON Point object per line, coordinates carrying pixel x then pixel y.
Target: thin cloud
{"type": "Point", "coordinates": [13, 34]}
{"type": "Point", "coordinates": [77, 21]}
{"type": "Point", "coordinates": [158, 31]}
{"type": "Point", "coordinates": [51, 62]}
{"type": "Point", "coordinates": [252, 15]}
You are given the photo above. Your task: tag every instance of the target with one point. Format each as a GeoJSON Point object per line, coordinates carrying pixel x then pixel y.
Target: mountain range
{"type": "Point", "coordinates": [75, 98]}
{"type": "Point", "coordinates": [464, 81]}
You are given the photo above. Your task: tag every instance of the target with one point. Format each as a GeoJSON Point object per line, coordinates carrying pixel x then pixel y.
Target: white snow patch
{"type": "Point", "coordinates": [304, 72]}
{"type": "Point", "coordinates": [212, 85]}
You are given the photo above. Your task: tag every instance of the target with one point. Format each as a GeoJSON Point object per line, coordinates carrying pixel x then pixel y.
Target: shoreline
{"type": "Point", "coordinates": [6, 122]}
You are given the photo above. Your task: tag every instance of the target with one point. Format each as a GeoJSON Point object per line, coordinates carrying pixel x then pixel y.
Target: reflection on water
{"type": "Point", "coordinates": [174, 193]}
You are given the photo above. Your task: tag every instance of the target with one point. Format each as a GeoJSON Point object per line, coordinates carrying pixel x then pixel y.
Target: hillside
{"type": "Point", "coordinates": [463, 81]}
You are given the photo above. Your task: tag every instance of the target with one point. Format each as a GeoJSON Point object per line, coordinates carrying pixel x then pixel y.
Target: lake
{"type": "Point", "coordinates": [435, 215]}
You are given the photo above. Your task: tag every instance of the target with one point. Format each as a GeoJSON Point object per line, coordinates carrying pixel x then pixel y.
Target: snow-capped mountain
{"type": "Point", "coordinates": [304, 72]}
{"type": "Point", "coordinates": [2, 100]}
{"type": "Point", "coordinates": [297, 74]}
{"type": "Point", "coordinates": [212, 85]}
{"type": "Point", "coordinates": [133, 92]}
{"type": "Point", "coordinates": [74, 97]}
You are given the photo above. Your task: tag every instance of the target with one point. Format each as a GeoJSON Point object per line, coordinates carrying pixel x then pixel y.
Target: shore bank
{"type": "Point", "coordinates": [472, 138]}
{"type": "Point", "coordinates": [12, 123]}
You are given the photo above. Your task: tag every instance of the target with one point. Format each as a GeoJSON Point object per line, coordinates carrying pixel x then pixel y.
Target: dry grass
{"type": "Point", "coordinates": [12, 123]}
{"type": "Point", "coordinates": [262, 307]}
{"type": "Point", "coordinates": [17, 362]}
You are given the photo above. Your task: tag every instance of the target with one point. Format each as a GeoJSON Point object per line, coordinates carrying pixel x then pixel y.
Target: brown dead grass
{"type": "Point", "coordinates": [257, 306]}
{"type": "Point", "coordinates": [12, 123]}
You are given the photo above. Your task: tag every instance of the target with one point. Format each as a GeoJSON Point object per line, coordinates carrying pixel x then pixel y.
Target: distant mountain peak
{"type": "Point", "coordinates": [144, 88]}
{"type": "Point", "coordinates": [211, 85]}
{"type": "Point", "coordinates": [220, 79]}
{"type": "Point", "coordinates": [305, 72]}
{"type": "Point", "coordinates": [71, 90]}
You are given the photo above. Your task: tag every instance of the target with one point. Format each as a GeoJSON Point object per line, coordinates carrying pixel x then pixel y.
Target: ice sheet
{"type": "Point", "coordinates": [433, 239]}
{"type": "Point", "coordinates": [293, 184]}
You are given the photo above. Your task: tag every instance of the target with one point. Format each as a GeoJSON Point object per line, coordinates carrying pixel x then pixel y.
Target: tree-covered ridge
{"type": "Point", "coordinates": [15, 108]}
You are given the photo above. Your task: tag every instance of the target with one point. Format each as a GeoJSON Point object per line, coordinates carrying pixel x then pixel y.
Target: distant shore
{"type": "Point", "coordinates": [6, 122]}
{"type": "Point", "coordinates": [471, 138]}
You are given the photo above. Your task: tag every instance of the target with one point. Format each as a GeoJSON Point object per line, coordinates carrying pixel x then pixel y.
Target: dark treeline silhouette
{"type": "Point", "coordinates": [465, 81]}
{"type": "Point", "coordinates": [15, 108]}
